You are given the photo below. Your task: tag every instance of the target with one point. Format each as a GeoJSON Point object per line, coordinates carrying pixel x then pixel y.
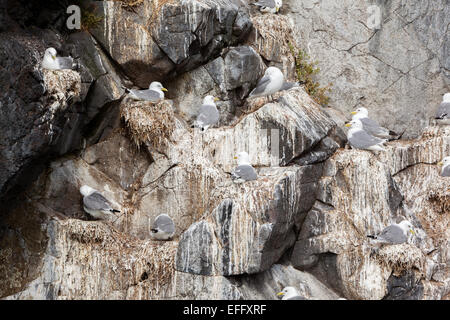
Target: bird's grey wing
{"type": "Point", "coordinates": [446, 171]}
{"type": "Point", "coordinates": [96, 201]}
{"type": "Point", "coordinates": [164, 223]}
{"type": "Point", "coordinates": [297, 298]}
{"type": "Point", "coordinates": [361, 139]}
{"type": "Point", "coordinates": [266, 3]}
{"type": "Point", "coordinates": [65, 62]}
{"type": "Point", "coordinates": [245, 172]}
{"type": "Point", "coordinates": [289, 85]}
{"type": "Point", "coordinates": [208, 115]}
{"type": "Point", "coordinates": [261, 86]}
{"type": "Point", "coordinates": [374, 128]}
{"type": "Point", "coordinates": [443, 111]}
{"type": "Point", "coordinates": [392, 234]}
{"type": "Point", "coordinates": [146, 95]}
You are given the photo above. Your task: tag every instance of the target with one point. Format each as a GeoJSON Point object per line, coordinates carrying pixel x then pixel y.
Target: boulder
{"type": "Point", "coordinates": [170, 37]}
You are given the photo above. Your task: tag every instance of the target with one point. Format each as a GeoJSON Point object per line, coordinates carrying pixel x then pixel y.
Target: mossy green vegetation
{"type": "Point", "coordinates": [306, 71]}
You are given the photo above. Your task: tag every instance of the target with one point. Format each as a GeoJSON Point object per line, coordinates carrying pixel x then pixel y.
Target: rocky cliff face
{"type": "Point", "coordinates": [303, 222]}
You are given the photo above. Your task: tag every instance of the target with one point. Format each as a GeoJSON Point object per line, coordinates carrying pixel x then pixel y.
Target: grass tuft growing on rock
{"type": "Point", "coordinates": [306, 72]}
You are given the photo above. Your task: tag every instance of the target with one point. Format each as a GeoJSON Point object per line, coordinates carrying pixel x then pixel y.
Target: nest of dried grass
{"type": "Point", "coordinates": [151, 263]}
{"type": "Point", "coordinates": [156, 265]}
{"type": "Point", "coordinates": [62, 84]}
{"type": "Point", "coordinates": [129, 3]}
{"type": "Point", "coordinates": [148, 123]}
{"type": "Point", "coordinates": [401, 257]}
{"type": "Point", "coordinates": [90, 232]}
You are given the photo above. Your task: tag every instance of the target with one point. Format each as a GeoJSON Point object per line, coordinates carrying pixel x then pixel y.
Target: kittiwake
{"type": "Point", "coordinates": [271, 6]}
{"type": "Point", "coordinates": [289, 85]}
{"type": "Point", "coordinates": [163, 228]}
{"type": "Point", "coordinates": [445, 163]}
{"type": "Point", "coordinates": [244, 171]}
{"type": "Point", "coordinates": [443, 112]}
{"type": "Point", "coordinates": [371, 126]}
{"type": "Point", "coordinates": [52, 62]}
{"type": "Point", "coordinates": [208, 115]}
{"type": "Point", "coordinates": [290, 293]}
{"type": "Point", "coordinates": [360, 139]}
{"type": "Point", "coordinates": [395, 233]}
{"type": "Point", "coordinates": [270, 83]}
{"type": "Point", "coordinates": [154, 93]}
{"type": "Point", "coordinates": [95, 203]}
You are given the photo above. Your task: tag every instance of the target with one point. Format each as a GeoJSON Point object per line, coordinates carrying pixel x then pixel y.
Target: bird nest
{"type": "Point", "coordinates": [155, 266]}
{"type": "Point", "coordinates": [147, 263]}
{"type": "Point", "coordinates": [62, 85]}
{"type": "Point", "coordinates": [401, 257]}
{"type": "Point", "coordinates": [149, 123]}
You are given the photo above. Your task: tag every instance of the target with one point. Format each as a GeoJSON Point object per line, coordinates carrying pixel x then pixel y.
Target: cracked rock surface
{"type": "Point", "coordinates": [304, 222]}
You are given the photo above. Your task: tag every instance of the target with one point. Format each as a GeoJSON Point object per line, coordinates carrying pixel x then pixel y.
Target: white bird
{"type": "Point", "coordinates": [208, 114]}
{"type": "Point", "coordinates": [395, 233]}
{"type": "Point", "coordinates": [52, 62]}
{"type": "Point", "coordinates": [371, 126]}
{"type": "Point", "coordinates": [154, 93]}
{"type": "Point", "coordinates": [244, 171]}
{"type": "Point", "coordinates": [443, 112]}
{"type": "Point", "coordinates": [163, 228]}
{"type": "Point", "coordinates": [290, 293]}
{"type": "Point", "coordinates": [445, 163]}
{"type": "Point", "coordinates": [360, 139]}
{"type": "Point", "coordinates": [95, 203]}
{"type": "Point", "coordinates": [271, 6]}
{"type": "Point", "coordinates": [270, 83]}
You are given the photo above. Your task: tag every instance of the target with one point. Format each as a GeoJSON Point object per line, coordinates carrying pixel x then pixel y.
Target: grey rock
{"type": "Point", "coordinates": [35, 108]}
{"type": "Point", "coordinates": [405, 287]}
{"type": "Point", "coordinates": [182, 36]}
{"type": "Point", "coordinates": [397, 71]}
{"type": "Point", "coordinates": [266, 285]}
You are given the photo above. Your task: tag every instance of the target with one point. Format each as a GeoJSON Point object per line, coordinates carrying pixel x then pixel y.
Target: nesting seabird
{"type": "Point", "coordinates": [395, 233]}
{"type": "Point", "coordinates": [244, 171]}
{"type": "Point", "coordinates": [290, 293]}
{"type": "Point", "coordinates": [271, 6]}
{"type": "Point", "coordinates": [154, 93]}
{"type": "Point", "coordinates": [95, 203]}
{"type": "Point", "coordinates": [52, 62]}
{"type": "Point", "coordinates": [360, 139]}
{"type": "Point", "coordinates": [270, 83]}
{"type": "Point", "coordinates": [371, 126]}
{"type": "Point", "coordinates": [443, 111]}
{"type": "Point", "coordinates": [208, 115]}
{"type": "Point", "coordinates": [163, 228]}
{"type": "Point", "coordinates": [445, 163]}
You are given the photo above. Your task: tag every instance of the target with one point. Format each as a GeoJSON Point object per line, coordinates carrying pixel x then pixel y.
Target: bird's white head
{"type": "Point", "coordinates": [210, 100]}
{"type": "Point", "coordinates": [445, 162]}
{"type": "Point", "coordinates": [446, 97]}
{"type": "Point", "coordinates": [242, 158]}
{"type": "Point", "coordinates": [278, 5]}
{"type": "Point", "coordinates": [86, 190]}
{"type": "Point", "coordinates": [155, 85]}
{"type": "Point", "coordinates": [355, 124]}
{"type": "Point", "coordinates": [288, 292]}
{"type": "Point", "coordinates": [407, 227]}
{"type": "Point", "coordinates": [51, 53]}
{"type": "Point", "coordinates": [360, 113]}
{"type": "Point", "coordinates": [273, 72]}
